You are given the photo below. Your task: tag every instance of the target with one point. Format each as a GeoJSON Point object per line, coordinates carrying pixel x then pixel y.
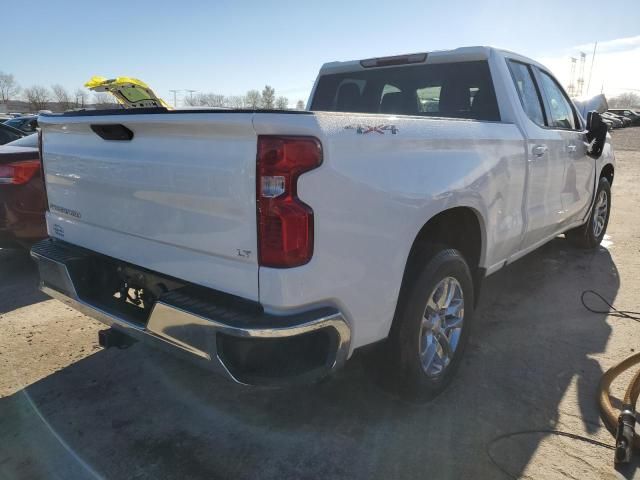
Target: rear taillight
{"type": "Point", "coordinates": [17, 173]}
{"type": "Point", "coordinates": [285, 223]}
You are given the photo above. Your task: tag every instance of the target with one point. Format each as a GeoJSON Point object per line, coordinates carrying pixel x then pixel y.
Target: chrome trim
{"type": "Point", "coordinates": [184, 330]}
{"type": "Point", "coordinates": [164, 317]}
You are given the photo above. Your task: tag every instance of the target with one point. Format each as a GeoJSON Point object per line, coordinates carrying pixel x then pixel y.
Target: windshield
{"type": "Point", "coordinates": [15, 123]}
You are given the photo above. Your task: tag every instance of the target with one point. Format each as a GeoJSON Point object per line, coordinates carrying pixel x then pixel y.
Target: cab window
{"type": "Point", "coordinates": [561, 114]}
{"type": "Point", "coordinates": [527, 91]}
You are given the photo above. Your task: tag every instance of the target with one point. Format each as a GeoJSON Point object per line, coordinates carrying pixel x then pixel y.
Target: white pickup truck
{"type": "Point", "coordinates": [269, 245]}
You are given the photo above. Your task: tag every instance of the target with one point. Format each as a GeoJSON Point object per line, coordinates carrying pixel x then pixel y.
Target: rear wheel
{"type": "Point", "coordinates": [590, 234]}
{"type": "Point", "coordinates": [431, 327]}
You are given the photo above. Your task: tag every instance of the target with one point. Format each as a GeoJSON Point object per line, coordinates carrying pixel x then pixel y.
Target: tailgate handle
{"type": "Point", "coordinates": [113, 131]}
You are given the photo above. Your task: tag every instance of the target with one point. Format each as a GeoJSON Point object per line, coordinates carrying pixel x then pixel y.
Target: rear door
{"type": "Point", "coordinates": [578, 180]}
{"type": "Point", "coordinates": [545, 159]}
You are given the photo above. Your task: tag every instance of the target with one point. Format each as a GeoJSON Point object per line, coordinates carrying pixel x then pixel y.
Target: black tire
{"type": "Point", "coordinates": [404, 369]}
{"type": "Point", "coordinates": [585, 235]}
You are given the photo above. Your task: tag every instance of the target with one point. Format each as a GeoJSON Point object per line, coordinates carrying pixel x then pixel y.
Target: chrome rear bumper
{"type": "Point", "coordinates": [203, 328]}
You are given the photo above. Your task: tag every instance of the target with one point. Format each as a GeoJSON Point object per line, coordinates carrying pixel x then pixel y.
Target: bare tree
{"type": "Point", "coordinates": [268, 97]}
{"type": "Point", "coordinates": [213, 100]}
{"type": "Point", "coordinates": [299, 105]}
{"type": "Point", "coordinates": [61, 96]}
{"type": "Point", "coordinates": [8, 87]}
{"type": "Point", "coordinates": [253, 99]}
{"type": "Point", "coordinates": [282, 103]}
{"type": "Point", "coordinates": [235, 101]}
{"type": "Point", "coordinates": [205, 100]}
{"type": "Point", "coordinates": [191, 100]}
{"type": "Point", "coordinates": [625, 100]}
{"type": "Point", "coordinates": [37, 96]}
{"type": "Point", "coordinates": [81, 97]}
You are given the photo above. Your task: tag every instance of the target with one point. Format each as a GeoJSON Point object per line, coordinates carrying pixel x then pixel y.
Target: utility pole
{"type": "Point", "coordinates": [191, 92]}
{"type": "Point", "coordinates": [580, 82]}
{"type": "Point", "coordinates": [593, 58]}
{"type": "Point", "coordinates": [572, 77]}
{"type": "Point", "coordinates": [175, 103]}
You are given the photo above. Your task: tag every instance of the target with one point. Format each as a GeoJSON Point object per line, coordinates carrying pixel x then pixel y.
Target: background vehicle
{"type": "Point", "coordinates": [21, 194]}
{"type": "Point", "coordinates": [627, 113]}
{"type": "Point", "coordinates": [27, 124]}
{"type": "Point", "coordinates": [269, 245]}
{"type": "Point", "coordinates": [626, 122]}
{"type": "Point", "coordinates": [608, 123]}
{"type": "Point", "coordinates": [9, 134]}
{"type": "Point", "coordinates": [30, 141]}
{"type": "Point", "coordinates": [614, 119]}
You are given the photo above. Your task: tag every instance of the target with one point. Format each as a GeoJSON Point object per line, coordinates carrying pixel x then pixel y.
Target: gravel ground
{"type": "Point", "coordinates": [71, 410]}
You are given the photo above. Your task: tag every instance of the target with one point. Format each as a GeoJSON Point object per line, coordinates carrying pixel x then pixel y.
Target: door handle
{"type": "Point", "coordinates": [571, 148]}
{"type": "Point", "coordinates": [539, 150]}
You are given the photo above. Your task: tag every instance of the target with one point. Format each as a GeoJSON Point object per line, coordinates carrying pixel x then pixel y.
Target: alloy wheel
{"type": "Point", "coordinates": [441, 326]}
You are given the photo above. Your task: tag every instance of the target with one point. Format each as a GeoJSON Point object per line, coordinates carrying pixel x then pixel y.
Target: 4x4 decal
{"type": "Point", "coordinates": [380, 129]}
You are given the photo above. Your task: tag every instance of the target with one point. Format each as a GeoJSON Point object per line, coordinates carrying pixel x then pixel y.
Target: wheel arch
{"type": "Point", "coordinates": [607, 171]}
{"type": "Point", "coordinates": [461, 228]}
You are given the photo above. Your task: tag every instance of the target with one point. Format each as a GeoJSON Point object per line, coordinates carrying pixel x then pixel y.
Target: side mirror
{"type": "Point", "coordinates": [596, 134]}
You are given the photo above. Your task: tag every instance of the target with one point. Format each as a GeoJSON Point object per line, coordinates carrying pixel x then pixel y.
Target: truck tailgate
{"type": "Point", "coordinates": [177, 198]}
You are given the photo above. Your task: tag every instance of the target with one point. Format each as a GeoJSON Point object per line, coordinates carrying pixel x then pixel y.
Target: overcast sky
{"type": "Point", "coordinates": [229, 47]}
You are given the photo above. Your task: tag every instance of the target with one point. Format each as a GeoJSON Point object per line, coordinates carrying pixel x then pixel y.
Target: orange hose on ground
{"type": "Point", "coordinates": [608, 414]}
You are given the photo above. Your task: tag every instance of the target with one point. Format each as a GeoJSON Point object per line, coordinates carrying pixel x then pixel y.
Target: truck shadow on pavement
{"type": "Point", "coordinates": [18, 280]}
{"type": "Point", "coordinates": [142, 414]}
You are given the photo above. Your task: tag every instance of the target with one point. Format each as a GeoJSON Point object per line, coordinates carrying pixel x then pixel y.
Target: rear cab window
{"type": "Point", "coordinates": [455, 90]}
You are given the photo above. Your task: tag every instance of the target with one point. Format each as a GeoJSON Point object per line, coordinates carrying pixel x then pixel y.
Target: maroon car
{"type": "Point", "coordinates": [22, 194]}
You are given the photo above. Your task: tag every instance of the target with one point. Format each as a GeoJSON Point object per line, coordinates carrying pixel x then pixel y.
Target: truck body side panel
{"type": "Point", "coordinates": [374, 192]}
